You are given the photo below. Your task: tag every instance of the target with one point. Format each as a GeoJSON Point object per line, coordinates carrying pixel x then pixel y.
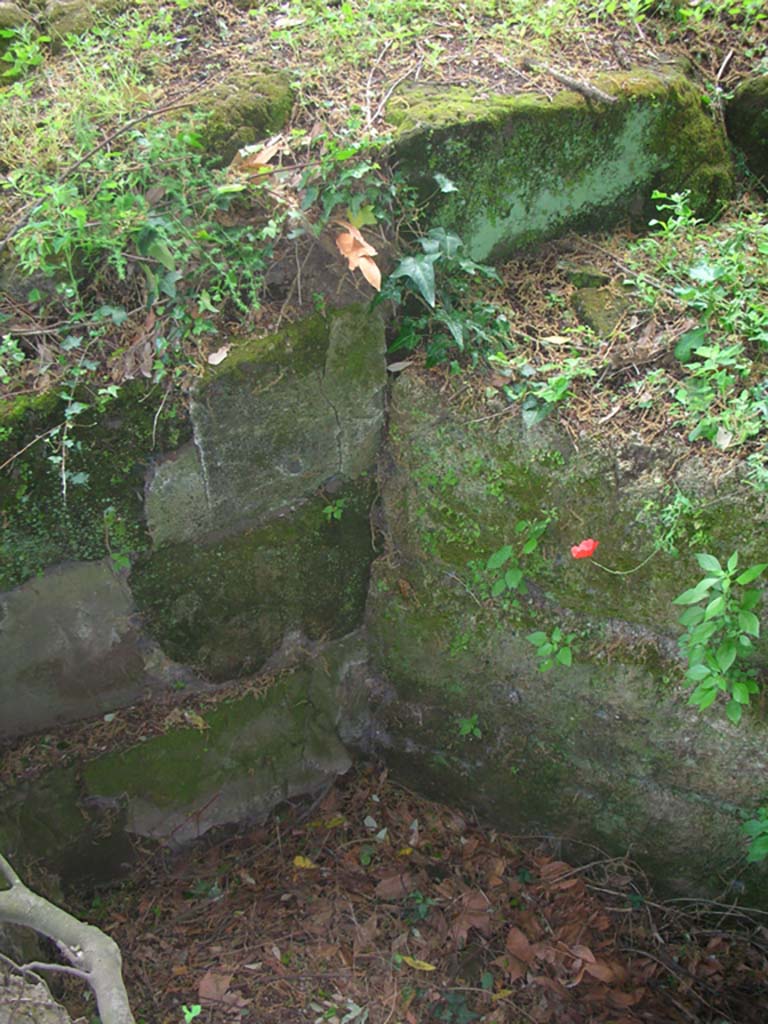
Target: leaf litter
{"type": "Point", "coordinates": [311, 917]}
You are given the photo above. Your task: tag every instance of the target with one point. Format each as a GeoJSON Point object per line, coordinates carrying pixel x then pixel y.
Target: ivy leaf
{"type": "Point", "coordinates": [421, 272]}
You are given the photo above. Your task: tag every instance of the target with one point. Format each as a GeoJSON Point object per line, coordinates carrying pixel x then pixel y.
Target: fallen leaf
{"type": "Point", "coordinates": [219, 355]}
{"type": "Point", "coordinates": [304, 863]}
{"type": "Point", "coordinates": [583, 953]}
{"type": "Point", "coordinates": [475, 913]}
{"type": "Point", "coordinates": [395, 886]}
{"type": "Point", "coordinates": [213, 986]}
{"type": "Point", "coordinates": [600, 971]}
{"type": "Point", "coordinates": [418, 965]}
{"type": "Point", "coordinates": [403, 364]}
{"type": "Point", "coordinates": [518, 945]}
{"type": "Point", "coordinates": [358, 253]}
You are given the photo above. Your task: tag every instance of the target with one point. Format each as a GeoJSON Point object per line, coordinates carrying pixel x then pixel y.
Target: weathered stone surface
{"type": "Point", "coordinates": [244, 109]}
{"type": "Point", "coordinates": [602, 309]}
{"type": "Point", "coordinates": [28, 1002]}
{"type": "Point", "coordinates": [276, 420]}
{"type": "Point", "coordinates": [225, 603]}
{"type": "Point", "coordinates": [747, 120]}
{"type": "Point", "coordinates": [69, 648]}
{"type": "Point", "coordinates": [528, 168]}
{"type": "Point", "coordinates": [11, 16]}
{"type": "Point", "coordinates": [283, 737]}
{"type": "Point", "coordinates": [253, 753]}
{"type": "Point", "coordinates": [605, 750]}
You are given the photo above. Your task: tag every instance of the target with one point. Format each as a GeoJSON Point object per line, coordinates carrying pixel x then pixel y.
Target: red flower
{"type": "Point", "coordinates": [585, 549]}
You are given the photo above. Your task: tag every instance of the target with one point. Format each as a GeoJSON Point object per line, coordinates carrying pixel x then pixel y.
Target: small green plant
{"type": "Point", "coordinates": [508, 558]}
{"type": "Point", "coordinates": [438, 280]}
{"type": "Point", "coordinates": [469, 727]}
{"type": "Point", "coordinates": [334, 511]}
{"type": "Point", "coordinates": [756, 829]}
{"type": "Point", "coordinates": [417, 907]}
{"type": "Point", "coordinates": [552, 648]}
{"type": "Point", "coordinates": [720, 628]}
{"type": "Point", "coordinates": [190, 1012]}
{"type": "Point", "coordinates": [24, 50]}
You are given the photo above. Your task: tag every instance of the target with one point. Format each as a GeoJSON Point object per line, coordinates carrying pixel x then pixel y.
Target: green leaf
{"type": "Point", "coordinates": [709, 563]}
{"type": "Point", "coordinates": [498, 558]}
{"type": "Point", "coordinates": [726, 655]}
{"type": "Point", "coordinates": [697, 593]}
{"type": "Point", "coordinates": [703, 696]}
{"type": "Point", "coordinates": [498, 588]}
{"type": "Point", "coordinates": [689, 342]}
{"type": "Point", "coordinates": [691, 616]}
{"type": "Point", "coordinates": [420, 271]}
{"type": "Point", "coordinates": [564, 656]}
{"type": "Point", "coordinates": [741, 693]}
{"type": "Point", "coordinates": [733, 711]}
{"type": "Point", "coordinates": [512, 578]}
{"type": "Point", "coordinates": [537, 639]}
{"type": "Point", "coordinates": [749, 623]}
{"type": "Point", "coordinates": [698, 672]}
{"type": "Point", "coordinates": [530, 545]}
{"type": "Point", "coordinates": [758, 850]}
{"type": "Point", "coordinates": [733, 561]}
{"type": "Point", "coordinates": [751, 573]}
{"type": "Point", "coordinates": [715, 607]}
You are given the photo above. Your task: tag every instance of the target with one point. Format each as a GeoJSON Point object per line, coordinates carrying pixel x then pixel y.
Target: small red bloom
{"type": "Point", "coordinates": [585, 549]}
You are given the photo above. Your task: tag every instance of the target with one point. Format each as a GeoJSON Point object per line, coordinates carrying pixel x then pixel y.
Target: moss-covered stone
{"type": "Point", "coordinates": [250, 754]}
{"type": "Point", "coordinates": [244, 109]}
{"type": "Point", "coordinates": [275, 421]}
{"type": "Point", "coordinates": [107, 453]}
{"type": "Point", "coordinates": [74, 17]}
{"type": "Point", "coordinates": [527, 168]}
{"type": "Point", "coordinates": [747, 121]}
{"type": "Point", "coordinates": [605, 750]}
{"type": "Point", "coordinates": [602, 309]}
{"type": "Point", "coordinates": [225, 603]}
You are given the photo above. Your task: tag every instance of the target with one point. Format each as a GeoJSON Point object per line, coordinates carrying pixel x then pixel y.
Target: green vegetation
{"type": "Point", "coordinates": [721, 627]}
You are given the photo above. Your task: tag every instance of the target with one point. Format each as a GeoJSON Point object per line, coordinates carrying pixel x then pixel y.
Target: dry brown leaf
{"type": "Point", "coordinates": [475, 913]}
{"type": "Point", "coordinates": [395, 886]}
{"type": "Point", "coordinates": [213, 986]}
{"type": "Point", "coordinates": [517, 943]}
{"type": "Point", "coordinates": [358, 253]}
{"type": "Point", "coordinates": [600, 971]}
{"type": "Point", "coordinates": [583, 953]}
{"type": "Point", "coordinates": [214, 358]}
{"type": "Point", "coordinates": [365, 934]}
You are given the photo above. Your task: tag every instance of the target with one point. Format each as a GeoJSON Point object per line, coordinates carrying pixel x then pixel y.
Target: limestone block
{"type": "Point", "coordinates": [605, 749]}
{"type": "Point", "coordinates": [526, 168]}
{"type": "Point", "coordinates": [69, 648]}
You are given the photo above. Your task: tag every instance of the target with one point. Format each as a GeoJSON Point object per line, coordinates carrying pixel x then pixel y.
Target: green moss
{"type": "Point", "coordinates": [527, 169]}
{"type": "Point", "coordinates": [107, 454]}
{"type": "Point", "coordinates": [747, 120]}
{"type": "Point", "coordinates": [226, 603]}
{"type": "Point", "coordinates": [242, 738]}
{"type": "Point", "coordinates": [244, 109]}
